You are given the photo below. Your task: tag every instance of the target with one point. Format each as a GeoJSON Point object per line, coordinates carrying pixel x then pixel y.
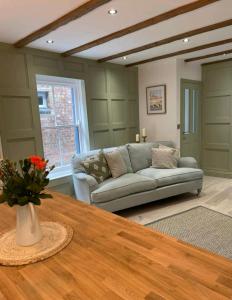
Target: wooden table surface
{"type": "Point", "coordinates": [111, 258]}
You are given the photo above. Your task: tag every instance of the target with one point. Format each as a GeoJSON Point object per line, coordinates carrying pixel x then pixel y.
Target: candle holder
{"type": "Point", "coordinates": [144, 138]}
{"type": "Point", "coordinates": [137, 142]}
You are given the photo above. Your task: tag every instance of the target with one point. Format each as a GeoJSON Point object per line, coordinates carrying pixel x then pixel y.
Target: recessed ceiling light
{"type": "Point", "coordinates": [112, 11]}
{"type": "Point", "coordinates": [186, 40]}
{"type": "Point", "coordinates": [49, 41]}
{"type": "Point", "coordinates": [124, 58]}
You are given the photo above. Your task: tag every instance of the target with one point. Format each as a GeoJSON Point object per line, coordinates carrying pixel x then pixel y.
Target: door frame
{"type": "Point", "coordinates": [199, 83]}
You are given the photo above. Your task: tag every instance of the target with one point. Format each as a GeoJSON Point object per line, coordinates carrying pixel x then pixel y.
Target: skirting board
{"type": "Point", "coordinates": [217, 173]}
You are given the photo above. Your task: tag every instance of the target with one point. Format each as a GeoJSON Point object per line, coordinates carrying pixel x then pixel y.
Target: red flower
{"type": "Point", "coordinates": [38, 162]}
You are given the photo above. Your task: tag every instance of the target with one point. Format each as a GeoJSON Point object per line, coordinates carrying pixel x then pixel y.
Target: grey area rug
{"type": "Point", "coordinates": [199, 226]}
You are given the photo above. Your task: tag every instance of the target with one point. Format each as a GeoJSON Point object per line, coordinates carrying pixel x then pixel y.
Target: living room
{"type": "Point", "coordinates": [119, 111]}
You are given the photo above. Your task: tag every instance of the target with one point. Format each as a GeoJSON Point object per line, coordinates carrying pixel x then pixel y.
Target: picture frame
{"type": "Point", "coordinates": [156, 99]}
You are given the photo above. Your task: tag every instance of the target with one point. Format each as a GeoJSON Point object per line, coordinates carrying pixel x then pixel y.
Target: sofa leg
{"type": "Point", "coordinates": [198, 192]}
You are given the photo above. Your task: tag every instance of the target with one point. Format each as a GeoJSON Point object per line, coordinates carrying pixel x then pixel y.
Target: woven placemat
{"type": "Point", "coordinates": [56, 236]}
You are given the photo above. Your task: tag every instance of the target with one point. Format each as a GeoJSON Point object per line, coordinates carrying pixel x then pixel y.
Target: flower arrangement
{"type": "Point", "coordinates": [24, 182]}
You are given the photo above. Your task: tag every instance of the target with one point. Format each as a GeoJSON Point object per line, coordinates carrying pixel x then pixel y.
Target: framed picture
{"type": "Point", "coordinates": [156, 99]}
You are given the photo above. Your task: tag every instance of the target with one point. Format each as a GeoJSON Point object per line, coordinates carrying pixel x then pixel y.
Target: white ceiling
{"type": "Point", "coordinates": [19, 18]}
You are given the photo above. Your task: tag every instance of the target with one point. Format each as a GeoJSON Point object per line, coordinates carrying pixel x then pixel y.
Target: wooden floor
{"type": "Point", "coordinates": [112, 258]}
{"type": "Point", "coordinates": [216, 195]}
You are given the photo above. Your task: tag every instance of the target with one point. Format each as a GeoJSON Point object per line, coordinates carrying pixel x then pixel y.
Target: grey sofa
{"type": "Point", "coordinates": [142, 184]}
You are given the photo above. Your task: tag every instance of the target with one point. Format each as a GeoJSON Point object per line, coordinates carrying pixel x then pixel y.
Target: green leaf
{"type": "Point", "coordinates": [23, 201]}
{"type": "Point", "coordinates": [11, 201]}
{"type": "Point", "coordinates": [35, 201]}
{"type": "Point", "coordinates": [45, 196]}
{"type": "Point", "coordinates": [34, 187]}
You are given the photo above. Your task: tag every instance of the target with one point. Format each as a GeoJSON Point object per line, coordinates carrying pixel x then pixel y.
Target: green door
{"type": "Point", "coordinates": [190, 138]}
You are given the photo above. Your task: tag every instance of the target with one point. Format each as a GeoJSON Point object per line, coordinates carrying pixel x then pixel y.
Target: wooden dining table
{"type": "Point", "coordinates": [112, 258]}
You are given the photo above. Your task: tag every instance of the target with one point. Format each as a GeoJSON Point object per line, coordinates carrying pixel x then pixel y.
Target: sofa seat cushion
{"type": "Point", "coordinates": [125, 185]}
{"type": "Point", "coordinates": [166, 177]}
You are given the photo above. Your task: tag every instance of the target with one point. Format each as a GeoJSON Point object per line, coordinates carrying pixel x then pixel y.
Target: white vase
{"type": "Point", "coordinates": [28, 230]}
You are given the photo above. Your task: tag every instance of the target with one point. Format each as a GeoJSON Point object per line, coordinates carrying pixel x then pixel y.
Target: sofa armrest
{"type": "Point", "coordinates": [187, 162]}
{"type": "Point", "coordinates": [84, 185]}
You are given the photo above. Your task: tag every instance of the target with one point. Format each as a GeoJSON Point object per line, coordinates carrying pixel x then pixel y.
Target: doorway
{"type": "Point", "coordinates": [190, 136]}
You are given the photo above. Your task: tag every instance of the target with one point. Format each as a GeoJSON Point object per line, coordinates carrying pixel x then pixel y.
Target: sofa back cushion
{"type": "Point", "coordinates": [116, 163]}
{"type": "Point", "coordinates": [164, 158]}
{"type": "Point", "coordinates": [97, 167]}
{"type": "Point", "coordinates": [125, 155]}
{"type": "Point", "coordinates": [78, 158]}
{"type": "Point", "coordinates": [141, 153]}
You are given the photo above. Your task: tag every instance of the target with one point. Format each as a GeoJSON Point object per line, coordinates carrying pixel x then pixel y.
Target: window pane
{"type": "Point", "coordinates": [63, 105]}
{"type": "Point", "coordinates": [47, 114]}
{"type": "Point", "coordinates": [186, 111]}
{"type": "Point", "coordinates": [67, 143]}
{"type": "Point", "coordinates": [51, 146]}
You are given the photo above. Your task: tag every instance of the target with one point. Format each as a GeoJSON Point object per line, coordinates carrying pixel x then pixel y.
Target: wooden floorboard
{"type": "Point", "coordinates": [111, 257]}
{"type": "Point", "coordinates": [216, 195]}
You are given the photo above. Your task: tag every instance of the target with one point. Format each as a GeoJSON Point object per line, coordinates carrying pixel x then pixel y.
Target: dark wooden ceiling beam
{"type": "Point", "coordinates": [217, 61]}
{"type": "Point", "coordinates": [181, 52]}
{"type": "Point", "coordinates": [65, 19]}
{"type": "Point", "coordinates": [169, 40]}
{"type": "Point", "coordinates": [208, 55]}
{"type": "Point", "coordinates": [141, 25]}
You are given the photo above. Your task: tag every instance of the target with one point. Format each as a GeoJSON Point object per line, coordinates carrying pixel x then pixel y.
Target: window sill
{"type": "Point", "coordinates": [59, 175]}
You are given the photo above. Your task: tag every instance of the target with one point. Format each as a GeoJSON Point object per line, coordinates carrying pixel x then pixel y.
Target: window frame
{"type": "Point", "coordinates": [45, 101]}
{"type": "Point", "coordinates": [75, 85]}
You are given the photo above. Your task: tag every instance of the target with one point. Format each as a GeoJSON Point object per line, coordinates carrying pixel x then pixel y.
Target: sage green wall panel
{"type": "Point", "coordinates": [46, 62]}
{"type": "Point", "coordinates": [218, 136]}
{"type": "Point", "coordinates": [102, 139]}
{"type": "Point", "coordinates": [217, 119]}
{"type": "Point", "coordinates": [119, 113]}
{"type": "Point", "coordinates": [100, 115]}
{"type": "Point", "coordinates": [76, 67]}
{"type": "Point", "coordinates": [132, 131]}
{"type": "Point", "coordinates": [118, 85]}
{"type": "Point", "coordinates": [218, 109]}
{"type": "Point", "coordinates": [13, 71]}
{"type": "Point", "coordinates": [132, 83]}
{"type": "Point", "coordinates": [216, 160]}
{"type": "Point", "coordinates": [132, 113]}
{"type": "Point", "coordinates": [17, 113]}
{"type": "Point", "coordinates": [120, 136]}
{"type": "Point", "coordinates": [118, 82]}
{"type": "Point", "coordinates": [218, 79]}
{"type": "Point", "coordinates": [20, 148]}
{"type": "Point", "coordinates": [97, 82]}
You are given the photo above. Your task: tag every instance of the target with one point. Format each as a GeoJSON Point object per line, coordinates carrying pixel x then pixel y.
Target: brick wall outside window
{"type": "Point", "coordinates": [58, 142]}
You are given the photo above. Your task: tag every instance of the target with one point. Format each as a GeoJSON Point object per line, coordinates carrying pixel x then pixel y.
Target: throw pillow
{"type": "Point", "coordinates": [116, 163]}
{"type": "Point", "coordinates": [176, 152]}
{"type": "Point", "coordinates": [97, 167]}
{"type": "Point", "coordinates": [163, 159]}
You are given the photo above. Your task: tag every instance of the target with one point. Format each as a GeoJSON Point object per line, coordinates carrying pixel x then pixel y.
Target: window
{"type": "Point", "coordinates": [43, 99]}
{"type": "Point", "coordinates": [61, 104]}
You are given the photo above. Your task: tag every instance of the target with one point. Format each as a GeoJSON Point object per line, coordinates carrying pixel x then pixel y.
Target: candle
{"type": "Point", "coordinates": [144, 132]}
{"type": "Point", "coordinates": [137, 137]}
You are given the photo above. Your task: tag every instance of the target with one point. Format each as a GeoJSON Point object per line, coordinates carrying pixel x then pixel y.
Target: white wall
{"type": "Point", "coordinates": [159, 126]}
{"type": "Point", "coordinates": [169, 72]}
{"type": "Point", "coordinates": [190, 70]}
